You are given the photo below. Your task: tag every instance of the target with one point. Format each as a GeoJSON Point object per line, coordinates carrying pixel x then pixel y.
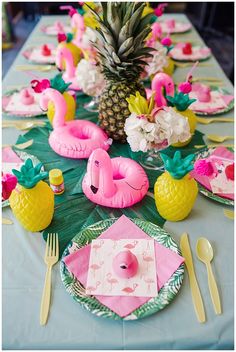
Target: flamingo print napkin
{"type": "Point", "coordinates": [167, 262]}
{"type": "Point", "coordinates": [177, 28]}
{"type": "Point", "coordinates": [102, 279]}
{"type": "Point", "coordinates": [37, 56]}
{"type": "Point", "coordinates": [198, 53]}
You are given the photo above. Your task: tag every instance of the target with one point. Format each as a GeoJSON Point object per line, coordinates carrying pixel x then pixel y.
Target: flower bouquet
{"type": "Point", "coordinates": [151, 129]}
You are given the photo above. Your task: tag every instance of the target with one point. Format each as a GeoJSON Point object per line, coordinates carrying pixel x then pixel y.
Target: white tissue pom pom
{"type": "Point", "coordinates": [158, 61]}
{"type": "Point", "coordinates": [88, 37]}
{"type": "Point", "coordinates": [90, 78]}
{"type": "Point", "coordinates": [168, 128]}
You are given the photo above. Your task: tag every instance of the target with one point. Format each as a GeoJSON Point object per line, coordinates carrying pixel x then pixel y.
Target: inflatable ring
{"type": "Point", "coordinates": [116, 183]}
{"type": "Point", "coordinates": [75, 139]}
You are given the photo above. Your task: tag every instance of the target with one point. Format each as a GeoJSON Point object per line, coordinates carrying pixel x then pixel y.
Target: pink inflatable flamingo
{"type": "Point", "coordinates": [116, 183]}
{"type": "Point", "coordinates": [162, 80]}
{"type": "Point", "coordinates": [77, 23]}
{"type": "Point", "coordinates": [64, 55]}
{"type": "Point", "coordinates": [75, 139]}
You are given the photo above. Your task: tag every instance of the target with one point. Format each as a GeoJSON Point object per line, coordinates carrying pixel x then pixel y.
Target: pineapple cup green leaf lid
{"type": "Point", "coordinates": [59, 84]}
{"type": "Point", "coordinates": [180, 100]}
{"type": "Point", "coordinates": [176, 166]}
{"type": "Point", "coordinates": [29, 176]}
{"type": "Point", "coordinates": [69, 37]}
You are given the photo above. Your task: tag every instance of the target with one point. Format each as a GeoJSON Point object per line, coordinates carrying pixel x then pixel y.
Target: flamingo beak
{"type": "Point", "coordinates": [94, 189]}
{"type": "Point", "coordinates": [59, 69]}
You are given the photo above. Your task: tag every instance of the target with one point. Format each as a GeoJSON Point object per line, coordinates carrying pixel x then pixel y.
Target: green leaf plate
{"type": "Point", "coordinates": [154, 305]}
{"type": "Point", "coordinates": [229, 107]}
{"type": "Point", "coordinates": [206, 192]}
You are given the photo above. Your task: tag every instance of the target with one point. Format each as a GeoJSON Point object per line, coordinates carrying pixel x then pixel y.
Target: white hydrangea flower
{"type": "Point", "coordinates": [90, 78]}
{"type": "Point", "coordinates": [158, 61]}
{"type": "Point", "coordinates": [88, 37]}
{"type": "Point", "coordinates": [169, 127]}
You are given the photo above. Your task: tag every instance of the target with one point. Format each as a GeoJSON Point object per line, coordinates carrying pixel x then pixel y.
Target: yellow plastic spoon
{"type": "Point", "coordinates": [205, 254]}
{"type": "Point", "coordinates": [219, 139]}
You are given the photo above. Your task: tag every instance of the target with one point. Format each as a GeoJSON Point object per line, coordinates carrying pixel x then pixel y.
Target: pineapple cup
{"type": "Point", "coordinates": [181, 102]}
{"type": "Point", "coordinates": [32, 201]}
{"type": "Point", "coordinates": [59, 84]}
{"type": "Point", "coordinates": [175, 191]}
{"type": "Point", "coordinates": [122, 53]}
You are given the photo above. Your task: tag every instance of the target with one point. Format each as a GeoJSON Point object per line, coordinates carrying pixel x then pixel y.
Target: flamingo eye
{"type": "Point", "coordinates": [96, 163]}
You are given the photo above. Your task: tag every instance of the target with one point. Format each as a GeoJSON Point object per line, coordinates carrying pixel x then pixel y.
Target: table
{"type": "Point", "coordinates": [69, 325]}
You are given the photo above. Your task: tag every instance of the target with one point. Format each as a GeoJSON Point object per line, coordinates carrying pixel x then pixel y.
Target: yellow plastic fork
{"type": "Point", "coordinates": [50, 258]}
{"type": "Point", "coordinates": [206, 121]}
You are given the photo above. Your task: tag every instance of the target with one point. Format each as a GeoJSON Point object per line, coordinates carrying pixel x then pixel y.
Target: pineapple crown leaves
{"type": "Point", "coordinates": [29, 176]}
{"type": "Point", "coordinates": [180, 100]}
{"type": "Point", "coordinates": [121, 35]}
{"type": "Point", "coordinates": [59, 84]}
{"type": "Point", "coordinates": [139, 105]}
{"type": "Point", "coordinates": [178, 167]}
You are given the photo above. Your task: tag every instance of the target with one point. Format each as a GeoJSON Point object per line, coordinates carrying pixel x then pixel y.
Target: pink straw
{"type": "Point", "coordinates": [189, 75]}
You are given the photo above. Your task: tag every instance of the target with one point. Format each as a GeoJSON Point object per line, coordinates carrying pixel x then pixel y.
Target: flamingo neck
{"type": "Point", "coordinates": [101, 176]}
{"type": "Point", "coordinates": [78, 24]}
{"type": "Point", "coordinates": [69, 63]}
{"type": "Point", "coordinates": [159, 82]}
{"type": "Point", "coordinates": [59, 105]}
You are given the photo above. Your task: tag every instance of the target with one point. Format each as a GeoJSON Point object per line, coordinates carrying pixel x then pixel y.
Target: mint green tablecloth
{"type": "Point", "coordinates": [70, 326]}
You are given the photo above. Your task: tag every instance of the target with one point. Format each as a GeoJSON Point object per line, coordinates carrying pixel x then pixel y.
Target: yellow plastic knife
{"type": "Point", "coordinates": [196, 294]}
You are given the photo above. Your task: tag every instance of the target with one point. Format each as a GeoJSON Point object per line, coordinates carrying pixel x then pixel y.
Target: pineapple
{"type": "Point", "coordinates": [175, 191]}
{"type": "Point", "coordinates": [59, 84]}
{"type": "Point", "coordinates": [121, 50]}
{"type": "Point", "coordinates": [32, 201]}
{"type": "Point", "coordinates": [181, 102]}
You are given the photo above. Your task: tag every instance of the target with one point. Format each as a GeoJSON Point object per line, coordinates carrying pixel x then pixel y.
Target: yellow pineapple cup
{"type": "Point", "coordinates": [181, 102]}
{"type": "Point", "coordinates": [59, 84]}
{"type": "Point", "coordinates": [175, 191]}
{"type": "Point", "coordinates": [32, 201]}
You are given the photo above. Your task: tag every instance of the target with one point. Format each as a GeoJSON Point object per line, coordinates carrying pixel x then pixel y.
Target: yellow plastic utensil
{"type": "Point", "coordinates": [6, 221]}
{"type": "Point", "coordinates": [20, 145]}
{"type": "Point", "coordinates": [205, 254]}
{"type": "Point", "coordinates": [212, 146]}
{"type": "Point", "coordinates": [218, 139]}
{"type": "Point", "coordinates": [196, 294]}
{"type": "Point", "coordinates": [229, 214]}
{"type": "Point", "coordinates": [206, 121]}
{"type": "Point", "coordinates": [50, 258]}
{"type": "Point", "coordinates": [208, 79]}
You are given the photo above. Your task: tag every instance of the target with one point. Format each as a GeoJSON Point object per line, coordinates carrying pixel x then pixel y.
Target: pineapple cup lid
{"type": "Point", "coordinates": [178, 167]}
{"type": "Point", "coordinates": [180, 100]}
{"type": "Point", "coordinates": [29, 176]}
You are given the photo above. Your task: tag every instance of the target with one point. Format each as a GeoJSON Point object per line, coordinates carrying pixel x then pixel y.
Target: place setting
{"type": "Point", "coordinates": [115, 163]}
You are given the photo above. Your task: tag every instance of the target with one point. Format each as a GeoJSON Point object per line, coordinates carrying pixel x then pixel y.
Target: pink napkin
{"type": "Point", "coordinates": [220, 152]}
{"type": "Point", "coordinates": [8, 156]}
{"type": "Point", "coordinates": [167, 262]}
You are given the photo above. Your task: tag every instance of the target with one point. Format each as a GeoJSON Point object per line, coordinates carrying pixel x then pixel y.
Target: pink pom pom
{"type": "Point", "coordinates": [61, 37]}
{"type": "Point", "coordinates": [39, 86]}
{"type": "Point", "coordinates": [160, 9]}
{"type": "Point", "coordinates": [72, 11]}
{"type": "Point", "coordinates": [203, 167]}
{"type": "Point", "coordinates": [185, 87]}
{"type": "Point", "coordinates": [9, 183]}
{"type": "Point", "coordinates": [166, 41]}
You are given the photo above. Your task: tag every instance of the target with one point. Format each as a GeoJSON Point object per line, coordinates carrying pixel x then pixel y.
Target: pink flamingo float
{"type": "Point", "coordinates": [96, 267]}
{"type": "Point", "coordinates": [90, 289]}
{"type": "Point", "coordinates": [162, 81]}
{"type": "Point", "coordinates": [77, 24]}
{"type": "Point", "coordinates": [112, 281]}
{"type": "Point", "coordinates": [116, 183]}
{"type": "Point", "coordinates": [72, 139]}
{"type": "Point", "coordinates": [130, 290]}
{"type": "Point", "coordinates": [131, 245]}
{"type": "Point", "coordinates": [97, 246]}
{"type": "Point", "coordinates": [63, 54]}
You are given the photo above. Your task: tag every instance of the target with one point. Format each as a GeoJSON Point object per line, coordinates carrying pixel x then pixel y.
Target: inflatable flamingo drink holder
{"type": "Point", "coordinates": [75, 139]}
{"type": "Point", "coordinates": [116, 183]}
{"type": "Point", "coordinates": [64, 55]}
{"type": "Point", "coordinates": [162, 81]}
{"type": "Point", "coordinates": [125, 264]}
{"type": "Point", "coordinates": [77, 23]}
